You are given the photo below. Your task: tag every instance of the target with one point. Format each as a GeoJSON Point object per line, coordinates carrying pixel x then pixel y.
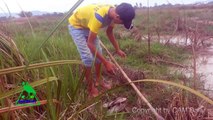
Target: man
{"type": "Point", "coordinates": [84, 26]}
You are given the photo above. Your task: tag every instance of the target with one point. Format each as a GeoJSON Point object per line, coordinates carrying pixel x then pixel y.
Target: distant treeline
{"type": "Point", "coordinates": [30, 14]}
{"type": "Point", "coordinates": [180, 6]}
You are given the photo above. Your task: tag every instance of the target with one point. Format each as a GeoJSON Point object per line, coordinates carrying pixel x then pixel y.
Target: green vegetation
{"type": "Point", "coordinates": [64, 83]}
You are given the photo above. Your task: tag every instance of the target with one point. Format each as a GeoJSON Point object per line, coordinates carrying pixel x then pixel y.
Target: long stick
{"type": "Point", "coordinates": [133, 85]}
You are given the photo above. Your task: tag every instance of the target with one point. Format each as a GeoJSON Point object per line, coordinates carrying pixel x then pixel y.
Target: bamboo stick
{"type": "Point", "coordinates": [133, 85]}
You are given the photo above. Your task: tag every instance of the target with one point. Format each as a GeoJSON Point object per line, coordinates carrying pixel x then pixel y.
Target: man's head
{"type": "Point", "coordinates": [124, 14]}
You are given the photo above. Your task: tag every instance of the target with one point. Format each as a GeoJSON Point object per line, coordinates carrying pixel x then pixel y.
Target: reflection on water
{"type": "Point", "coordinates": [179, 40]}
{"type": "Point", "coordinates": [204, 61]}
{"type": "Point", "coordinates": [206, 67]}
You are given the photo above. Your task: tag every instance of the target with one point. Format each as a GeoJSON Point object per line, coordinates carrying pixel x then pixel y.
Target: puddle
{"type": "Point", "coordinates": [205, 67]}
{"type": "Point", "coordinates": [179, 40]}
{"type": "Point", "coordinates": [204, 62]}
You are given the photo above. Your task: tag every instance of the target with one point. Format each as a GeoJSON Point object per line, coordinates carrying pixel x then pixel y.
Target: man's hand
{"type": "Point", "coordinates": [121, 53]}
{"type": "Point", "coordinates": [110, 67]}
{"type": "Point", "coordinates": [114, 42]}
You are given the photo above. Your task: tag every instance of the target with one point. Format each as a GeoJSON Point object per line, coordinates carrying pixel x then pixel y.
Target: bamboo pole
{"type": "Point", "coordinates": [133, 85]}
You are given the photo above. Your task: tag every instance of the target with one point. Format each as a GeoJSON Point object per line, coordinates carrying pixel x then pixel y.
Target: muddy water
{"type": "Point", "coordinates": [205, 67]}
{"type": "Point", "coordinates": [204, 62]}
{"type": "Point", "coordinates": [178, 40]}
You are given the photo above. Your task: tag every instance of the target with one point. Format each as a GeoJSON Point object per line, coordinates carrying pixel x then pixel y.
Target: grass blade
{"type": "Point", "coordinates": [33, 84]}
{"type": "Point", "coordinates": [38, 65]}
{"type": "Point", "coordinates": [13, 108]}
{"type": "Point", "coordinates": [56, 27]}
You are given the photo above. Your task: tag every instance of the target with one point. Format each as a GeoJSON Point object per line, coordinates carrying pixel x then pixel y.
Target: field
{"type": "Point", "coordinates": [55, 71]}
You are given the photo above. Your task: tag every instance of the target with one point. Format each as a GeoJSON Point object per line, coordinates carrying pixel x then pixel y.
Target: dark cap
{"type": "Point", "coordinates": [126, 13]}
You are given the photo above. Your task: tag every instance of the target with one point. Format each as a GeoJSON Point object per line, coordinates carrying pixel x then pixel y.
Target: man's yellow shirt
{"type": "Point", "coordinates": [92, 17]}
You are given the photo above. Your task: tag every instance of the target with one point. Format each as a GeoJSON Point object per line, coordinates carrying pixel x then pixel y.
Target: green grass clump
{"type": "Point", "coordinates": [138, 56]}
{"type": "Point", "coordinates": [69, 88]}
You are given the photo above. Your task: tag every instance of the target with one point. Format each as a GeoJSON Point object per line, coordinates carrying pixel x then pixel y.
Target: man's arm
{"type": "Point", "coordinates": [111, 37]}
{"type": "Point", "coordinates": [90, 43]}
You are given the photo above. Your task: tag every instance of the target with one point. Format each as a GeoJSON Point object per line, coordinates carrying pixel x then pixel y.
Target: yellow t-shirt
{"type": "Point", "coordinates": [92, 17]}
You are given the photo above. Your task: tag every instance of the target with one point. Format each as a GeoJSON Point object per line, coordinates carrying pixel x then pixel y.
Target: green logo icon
{"type": "Point", "coordinates": [28, 96]}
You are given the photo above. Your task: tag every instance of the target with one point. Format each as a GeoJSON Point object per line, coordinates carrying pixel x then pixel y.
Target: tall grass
{"type": "Point", "coordinates": [59, 47]}
{"type": "Point", "coordinates": [69, 74]}
{"type": "Point", "coordinates": [64, 83]}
